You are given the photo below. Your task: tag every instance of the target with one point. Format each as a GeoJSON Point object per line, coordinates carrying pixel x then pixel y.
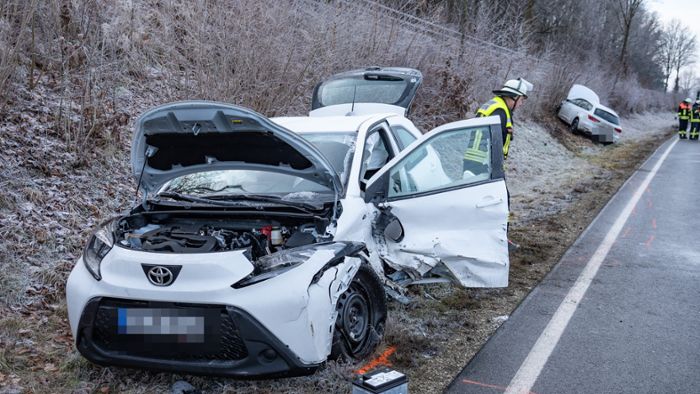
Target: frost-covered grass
{"type": "Point", "coordinates": [65, 129]}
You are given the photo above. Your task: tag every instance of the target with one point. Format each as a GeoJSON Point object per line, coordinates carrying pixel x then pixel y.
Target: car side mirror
{"type": "Point", "coordinates": [394, 230]}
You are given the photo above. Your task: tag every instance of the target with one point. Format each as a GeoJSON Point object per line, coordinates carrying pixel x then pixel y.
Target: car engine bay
{"type": "Point", "coordinates": [191, 233]}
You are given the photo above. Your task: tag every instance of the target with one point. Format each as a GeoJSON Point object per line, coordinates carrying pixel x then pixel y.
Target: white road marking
{"type": "Point", "coordinates": [531, 368]}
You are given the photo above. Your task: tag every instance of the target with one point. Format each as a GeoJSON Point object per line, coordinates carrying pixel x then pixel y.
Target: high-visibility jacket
{"type": "Point", "coordinates": [684, 111]}
{"type": "Point", "coordinates": [695, 114]}
{"type": "Point", "coordinates": [478, 148]}
{"type": "Point", "coordinates": [497, 106]}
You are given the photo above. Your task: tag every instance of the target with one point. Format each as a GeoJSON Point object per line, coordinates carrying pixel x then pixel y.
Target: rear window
{"type": "Point", "coordinates": [386, 91]}
{"type": "Point", "coordinates": [607, 116]}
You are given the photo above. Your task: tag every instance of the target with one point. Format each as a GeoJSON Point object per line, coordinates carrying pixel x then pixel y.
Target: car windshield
{"type": "Point", "coordinates": [607, 116]}
{"type": "Point", "coordinates": [231, 182]}
{"type": "Point", "coordinates": [337, 147]}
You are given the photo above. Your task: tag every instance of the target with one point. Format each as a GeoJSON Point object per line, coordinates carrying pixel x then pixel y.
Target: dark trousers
{"type": "Point", "coordinates": [682, 127]}
{"type": "Point", "coordinates": [694, 129]}
{"type": "Point", "coordinates": [474, 167]}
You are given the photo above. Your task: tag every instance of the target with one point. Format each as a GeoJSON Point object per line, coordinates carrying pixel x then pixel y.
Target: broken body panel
{"type": "Point", "coordinates": [457, 222]}
{"type": "Point", "coordinates": [303, 319]}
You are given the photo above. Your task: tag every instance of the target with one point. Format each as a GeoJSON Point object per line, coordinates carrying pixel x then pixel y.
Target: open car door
{"type": "Point", "coordinates": [367, 91]}
{"type": "Point", "coordinates": [444, 206]}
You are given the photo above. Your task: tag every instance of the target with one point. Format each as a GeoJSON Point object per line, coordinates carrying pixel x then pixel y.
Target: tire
{"type": "Point", "coordinates": [359, 327]}
{"type": "Point", "coordinates": [574, 126]}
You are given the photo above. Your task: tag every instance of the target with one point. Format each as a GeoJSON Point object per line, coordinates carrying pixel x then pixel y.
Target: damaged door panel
{"type": "Point", "coordinates": [452, 211]}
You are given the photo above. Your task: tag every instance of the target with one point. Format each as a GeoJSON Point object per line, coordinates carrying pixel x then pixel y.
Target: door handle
{"type": "Point", "coordinates": [489, 201]}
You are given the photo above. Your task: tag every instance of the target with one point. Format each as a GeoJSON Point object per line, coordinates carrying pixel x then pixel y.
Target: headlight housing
{"type": "Point", "coordinates": [270, 266]}
{"type": "Point", "coordinates": [97, 248]}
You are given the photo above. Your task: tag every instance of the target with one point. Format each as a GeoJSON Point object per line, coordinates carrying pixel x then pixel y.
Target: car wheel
{"type": "Point", "coordinates": [574, 126]}
{"type": "Point", "coordinates": [359, 326]}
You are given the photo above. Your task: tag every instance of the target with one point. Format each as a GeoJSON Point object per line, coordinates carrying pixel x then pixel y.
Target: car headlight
{"type": "Point", "coordinates": [270, 266]}
{"type": "Point", "coordinates": [265, 274]}
{"type": "Point", "coordinates": [97, 248]}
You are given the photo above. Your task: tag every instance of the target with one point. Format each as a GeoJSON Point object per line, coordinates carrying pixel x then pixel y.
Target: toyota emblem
{"type": "Point", "coordinates": [160, 276]}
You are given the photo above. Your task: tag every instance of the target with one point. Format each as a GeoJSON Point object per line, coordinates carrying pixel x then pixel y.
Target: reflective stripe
{"type": "Point", "coordinates": [492, 105]}
{"type": "Point", "coordinates": [506, 145]}
{"type": "Point", "coordinates": [474, 152]}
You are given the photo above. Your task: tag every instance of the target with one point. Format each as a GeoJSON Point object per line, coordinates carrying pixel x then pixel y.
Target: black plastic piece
{"type": "Point", "coordinates": [299, 238]}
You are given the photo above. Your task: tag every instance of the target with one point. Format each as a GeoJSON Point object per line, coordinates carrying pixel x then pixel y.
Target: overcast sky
{"type": "Point", "coordinates": [687, 11]}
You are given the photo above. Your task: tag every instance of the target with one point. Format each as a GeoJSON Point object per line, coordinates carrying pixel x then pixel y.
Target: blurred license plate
{"type": "Point", "coordinates": [177, 325]}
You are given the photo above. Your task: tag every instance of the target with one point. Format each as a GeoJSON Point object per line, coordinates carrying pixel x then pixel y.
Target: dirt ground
{"type": "Point", "coordinates": [54, 196]}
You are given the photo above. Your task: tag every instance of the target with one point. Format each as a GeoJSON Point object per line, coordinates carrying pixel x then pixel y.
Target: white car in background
{"type": "Point", "coordinates": [266, 246]}
{"type": "Point", "coordinates": [583, 112]}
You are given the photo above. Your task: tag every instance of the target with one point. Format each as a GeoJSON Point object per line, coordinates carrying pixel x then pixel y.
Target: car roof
{"type": "Point", "coordinates": [310, 124]}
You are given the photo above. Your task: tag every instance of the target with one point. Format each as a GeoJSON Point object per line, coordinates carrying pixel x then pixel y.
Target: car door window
{"type": "Point", "coordinates": [376, 153]}
{"type": "Point", "coordinates": [403, 136]}
{"type": "Point", "coordinates": [458, 157]}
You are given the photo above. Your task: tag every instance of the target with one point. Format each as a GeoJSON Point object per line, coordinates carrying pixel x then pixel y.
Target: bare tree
{"type": "Point", "coordinates": [684, 54]}
{"type": "Point", "coordinates": [670, 37]}
{"type": "Point", "coordinates": [688, 81]}
{"type": "Point", "coordinates": [626, 11]}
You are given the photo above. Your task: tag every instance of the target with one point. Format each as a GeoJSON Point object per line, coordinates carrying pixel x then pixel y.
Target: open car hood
{"type": "Point", "coordinates": [185, 137]}
{"type": "Point", "coordinates": [582, 92]}
{"type": "Point", "coordinates": [366, 91]}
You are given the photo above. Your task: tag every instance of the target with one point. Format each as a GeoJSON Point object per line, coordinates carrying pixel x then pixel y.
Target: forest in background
{"type": "Point", "coordinates": [101, 56]}
{"type": "Point", "coordinates": [621, 37]}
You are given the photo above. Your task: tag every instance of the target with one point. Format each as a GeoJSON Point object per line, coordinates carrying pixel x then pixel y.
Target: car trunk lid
{"type": "Point", "coordinates": [367, 91]}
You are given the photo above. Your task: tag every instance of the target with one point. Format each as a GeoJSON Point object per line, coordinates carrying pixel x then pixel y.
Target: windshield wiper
{"type": "Point", "coordinates": [185, 197]}
{"type": "Point", "coordinates": [209, 189]}
{"type": "Point", "coordinates": [236, 200]}
{"type": "Point", "coordinates": [263, 198]}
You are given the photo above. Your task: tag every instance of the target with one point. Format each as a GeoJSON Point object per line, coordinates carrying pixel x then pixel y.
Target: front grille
{"type": "Point", "coordinates": [228, 346]}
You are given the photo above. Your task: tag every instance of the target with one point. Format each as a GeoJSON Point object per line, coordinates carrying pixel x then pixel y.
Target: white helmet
{"type": "Point", "coordinates": [688, 100]}
{"type": "Point", "coordinates": [515, 87]}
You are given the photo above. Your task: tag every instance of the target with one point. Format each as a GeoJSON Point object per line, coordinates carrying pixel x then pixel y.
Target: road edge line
{"type": "Point", "coordinates": [532, 366]}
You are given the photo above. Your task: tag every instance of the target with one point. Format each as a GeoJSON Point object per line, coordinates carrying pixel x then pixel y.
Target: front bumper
{"type": "Point", "coordinates": [246, 348]}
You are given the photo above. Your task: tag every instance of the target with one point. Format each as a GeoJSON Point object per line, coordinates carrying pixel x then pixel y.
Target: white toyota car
{"type": "Point", "coordinates": [267, 246]}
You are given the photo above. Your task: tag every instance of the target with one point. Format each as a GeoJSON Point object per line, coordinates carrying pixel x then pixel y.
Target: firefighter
{"type": "Point", "coordinates": [511, 96]}
{"type": "Point", "coordinates": [684, 110]}
{"type": "Point", "coordinates": [695, 120]}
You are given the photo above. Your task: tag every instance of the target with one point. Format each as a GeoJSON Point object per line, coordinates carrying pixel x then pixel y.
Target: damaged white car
{"type": "Point", "coordinates": [266, 246]}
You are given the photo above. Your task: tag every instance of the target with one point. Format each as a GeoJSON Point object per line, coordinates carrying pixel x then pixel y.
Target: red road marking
{"type": "Point", "coordinates": [491, 386]}
{"type": "Point", "coordinates": [382, 359]}
{"type": "Point", "coordinates": [649, 203]}
{"type": "Point", "coordinates": [653, 223]}
{"type": "Point", "coordinates": [649, 241]}
{"type": "Point", "coordinates": [627, 231]}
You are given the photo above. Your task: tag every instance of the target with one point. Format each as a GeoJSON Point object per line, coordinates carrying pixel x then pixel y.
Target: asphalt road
{"type": "Point", "coordinates": [620, 313]}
